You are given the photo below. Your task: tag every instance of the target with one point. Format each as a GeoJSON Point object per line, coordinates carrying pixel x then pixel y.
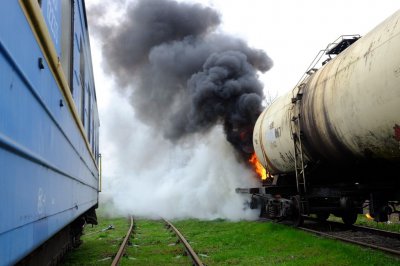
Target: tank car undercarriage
{"type": "Point", "coordinates": [279, 199]}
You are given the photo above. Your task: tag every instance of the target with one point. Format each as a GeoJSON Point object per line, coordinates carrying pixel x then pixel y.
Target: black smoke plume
{"type": "Point", "coordinates": [184, 74]}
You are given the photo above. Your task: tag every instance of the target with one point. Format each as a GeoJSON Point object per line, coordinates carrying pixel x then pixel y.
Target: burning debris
{"type": "Point", "coordinates": [184, 76]}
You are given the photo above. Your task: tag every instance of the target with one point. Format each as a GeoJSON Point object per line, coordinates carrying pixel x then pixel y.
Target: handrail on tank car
{"type": "Point", "coordinates": [312, 67]}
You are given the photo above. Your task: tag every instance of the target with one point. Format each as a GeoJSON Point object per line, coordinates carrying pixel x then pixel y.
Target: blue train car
{"type": "Point", "coordinates": [49, 129]}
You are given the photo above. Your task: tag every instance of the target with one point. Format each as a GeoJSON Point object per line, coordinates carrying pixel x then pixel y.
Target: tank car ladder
{"type": "Point", "coordinates": [298, 149]}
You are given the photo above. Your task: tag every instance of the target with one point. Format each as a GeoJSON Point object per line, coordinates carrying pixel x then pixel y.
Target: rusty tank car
{"type": "Point", "coordinates": [332, 144]}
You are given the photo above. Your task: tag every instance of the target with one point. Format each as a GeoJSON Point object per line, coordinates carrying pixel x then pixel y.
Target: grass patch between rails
{"type": "Point", "coordinates": [153, 244]}
{"type": "Point", "coordinates": [218, 242]}
{"type": "Point", "coordinates": [263, 243]}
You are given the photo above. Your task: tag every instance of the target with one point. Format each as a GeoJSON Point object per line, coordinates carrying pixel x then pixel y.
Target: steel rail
{"type": "Point", "coordinates": [357, 227]}
{"type": "Point", "coordinates": [379, 232]}
{"type": "Point", "coordinates": [196, 260]}
{"type": "Point", "coordinates": [121, 250]}
{"type": "Point", "coordinates": [388, 250]}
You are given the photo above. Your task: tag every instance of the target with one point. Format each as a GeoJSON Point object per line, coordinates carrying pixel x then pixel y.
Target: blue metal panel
{"type": "Point", "coordinates": [39, 109]}
{"type": "Point", "coordinates": [48, 177]}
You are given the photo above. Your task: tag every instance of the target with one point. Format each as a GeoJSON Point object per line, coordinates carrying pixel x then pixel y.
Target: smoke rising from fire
{"type": "Point", "coordinates": [185, 76]}
{"type": "Point", "coordinates": [189, 84]}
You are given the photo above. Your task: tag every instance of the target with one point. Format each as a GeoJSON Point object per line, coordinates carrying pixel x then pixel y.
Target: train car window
{"type": "Point", "coordinates": [67, 40]}
{"type": "Point", "coordinates": [82, 76]}
{"type": "Point", "coordinates": [97, 142]}
{"type": "Point", "coordinates": [93, 127]}
{"type": "Point", "coordinates": [92, 132]}
{"type": "Point", "coordinates": [83, 106]}
{"type": "Point", "coordinates": [89, 116]}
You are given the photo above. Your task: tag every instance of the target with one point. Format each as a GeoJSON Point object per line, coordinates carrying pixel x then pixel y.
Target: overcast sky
{"type": "Point", "coordinates": [291, 32]}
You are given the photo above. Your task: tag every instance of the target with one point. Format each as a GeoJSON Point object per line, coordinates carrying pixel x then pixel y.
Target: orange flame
{"type": "Point", "coordinates": [369, 217]}
{"type": "Point", "coordinates": [260, 170]}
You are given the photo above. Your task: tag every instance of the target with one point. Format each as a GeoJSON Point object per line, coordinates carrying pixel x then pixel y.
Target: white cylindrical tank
{"type": "Point", "coordinates": [350, 109]}
{"type": "Point", "coordinates": [272, 137]}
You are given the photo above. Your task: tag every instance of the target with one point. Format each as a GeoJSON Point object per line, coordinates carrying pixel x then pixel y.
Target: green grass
{"type": "Point", "coordinates": [219, 242]}
{"type": "Point", "coordinates": [255, 243]}
{"type": "Point", "coordinates": [99, 247]}
{"type": "Point", "coordinates": [153, 244]}
{"type": "Point", "coordinates": [393, 226]}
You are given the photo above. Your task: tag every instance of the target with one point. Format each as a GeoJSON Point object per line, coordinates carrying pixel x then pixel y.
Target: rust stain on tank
{"type": "Point", "coordinates": [396, 132]}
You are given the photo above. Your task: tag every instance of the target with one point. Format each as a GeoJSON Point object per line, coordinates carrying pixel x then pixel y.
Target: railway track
{"type": "Point", "coordinates": [189, 250]}
{"type": "Point", "coordinates": [181, 239]}
{"type": "Point", "coordinates": [377, 239]}
{"type": "Point", "coordinates": [122, 248]}
{"type": "Point", "coordinates": [386, 241]}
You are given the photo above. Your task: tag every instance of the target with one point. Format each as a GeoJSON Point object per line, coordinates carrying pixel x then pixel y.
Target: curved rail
{"type": "Point", "coordinates": [121, 250]}
{"type": "Point", "coordinates": [357, 239]}
{"type": "Point", "coordinates": [196, 260]}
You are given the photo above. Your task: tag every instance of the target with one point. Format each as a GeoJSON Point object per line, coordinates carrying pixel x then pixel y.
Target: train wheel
{"type": "Point", "coordinates": [263, 211]}
{"type": "Point", "coordinates": [297, 216]}
{"type": "Point", "coordinates": [322, 216]}
{"type": "Point", "coordinates": [253, 203]}
{"type": "Point", "coordinates": [349, 218]}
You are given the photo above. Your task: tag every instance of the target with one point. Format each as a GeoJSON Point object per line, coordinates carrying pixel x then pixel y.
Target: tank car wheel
{"type": "Point", "coordinates": [322, 216]}
{"type": "Point", "coordinates": [253, 203]}
{"type": "Point", "coordinates": [349, 218]}
{"type": "Point", "coordinates": [297, 212]}
{"type": "Point", "coordinates": [263, 211]}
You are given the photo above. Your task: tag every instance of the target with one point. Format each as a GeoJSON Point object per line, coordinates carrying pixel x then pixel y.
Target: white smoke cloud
{"type": "Point", "coordinates": [125, 143]}
{"type": "Point", "coordinates": [146, 175]}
